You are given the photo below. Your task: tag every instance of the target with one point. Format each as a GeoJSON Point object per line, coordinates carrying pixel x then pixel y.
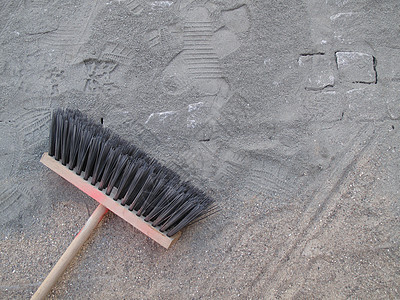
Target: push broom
{"type": "Point", "coordinates": [122, 179]}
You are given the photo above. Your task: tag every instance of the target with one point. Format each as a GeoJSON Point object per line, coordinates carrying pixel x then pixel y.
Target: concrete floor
{"type": "Point", "coordinates": [286, 112]}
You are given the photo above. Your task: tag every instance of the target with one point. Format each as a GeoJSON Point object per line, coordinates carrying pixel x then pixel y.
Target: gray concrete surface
{"type": "Point", "coordinates": [286, 112]}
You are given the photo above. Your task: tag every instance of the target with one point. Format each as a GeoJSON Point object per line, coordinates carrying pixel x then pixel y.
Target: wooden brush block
{"type": "Point", "coordinates": [108, 201]}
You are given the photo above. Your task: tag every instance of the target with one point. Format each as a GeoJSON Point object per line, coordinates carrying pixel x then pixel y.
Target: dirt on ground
{"type": "Point", "coordinates": [285, 112]}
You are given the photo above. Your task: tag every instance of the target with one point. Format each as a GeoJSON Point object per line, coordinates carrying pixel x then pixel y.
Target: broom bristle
{"type": "Point", "coordinates": [148, 188]}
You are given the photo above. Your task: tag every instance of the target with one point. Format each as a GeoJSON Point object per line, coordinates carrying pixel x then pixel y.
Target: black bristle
{"type": "Point", "coordinates": [111, 162]}
{"type": "Point", "coordinates": [74, 145]}
{"type": "Point", "coordinates": [135, 185]}
{"type": "Point", "coordinates": [169, 209]}
{"type": "Point", "coordinates": [101, 161]}
{"type": "Point", "coordinates": [52, 138]}
{"type": "Point", "coordinates": [141, 182]}
{"type": "Point", "coordinates": [156, 190]}
{"type": "Point", "coordinates": [163, 200]}
{"type": "Point", "coordinates": [93, 154]}
{"type": "Point", "coordinates": [127, 177]}
{"type": "Point", "coordinates": [143, 193]}
{"type": "Point", "coordinates": [187, 218]}
{"type": "Point", "coordinates": [58, 136]}
{"type": "Point", "coordinates": [64, 143]}
{"type": "Point", "coordinates": [139, 187]}
{"type": "Point", "coordinates": [83, 150]}
{"type": "Point", "coordinates": [174, 218]}
{"type": "Point", "coordinates": [117, 172]}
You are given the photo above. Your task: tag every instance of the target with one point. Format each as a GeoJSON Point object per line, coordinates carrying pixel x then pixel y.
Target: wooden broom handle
{"type": "Point", "coordinates": [70, 253]}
